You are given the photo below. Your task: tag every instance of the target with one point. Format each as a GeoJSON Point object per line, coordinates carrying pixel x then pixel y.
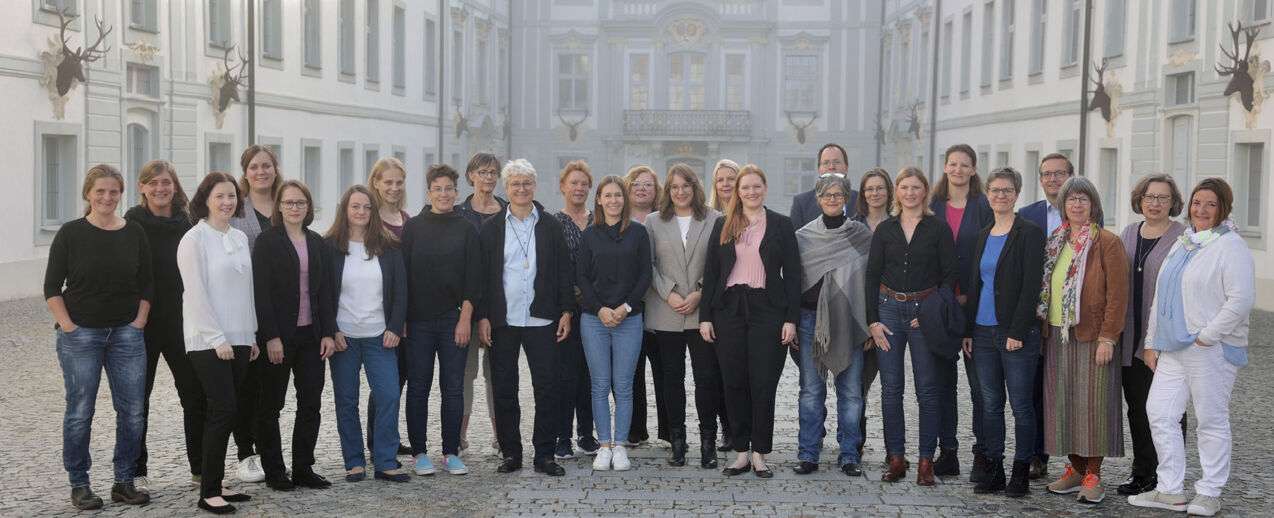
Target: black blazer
{"type": "Point", "coordinates": [393, 275]}
{"type": "Point", "coordinates": [1017, 278]}
{"type": "Point", "coordinates": [780, 255]}
{"type": "Point", "coordinates": [554, 271]}
{"type": "Point", "coordinates": [276, 280]}
{"type": "Point", "coordinates": [977, 214]}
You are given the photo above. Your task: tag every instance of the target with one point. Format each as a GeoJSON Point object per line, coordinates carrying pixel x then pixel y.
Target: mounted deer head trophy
{"type": "Point", "coordinates": [880, 130]}
{"type": "Point", "coordinates": [64, 68]}
{"type": "Point", "coordinates": [800, 128]}
{"type": "Point", "coordinates": [462, 121]}
{"type": "Point", "coordinates": [226, 80]}
{"type": "Point", "coordinates": [913, 119]}
{"type": "Point", "coordinates": [1101, 98]}
{"type": "Point", "coordinates": [573, 126]}
{"type": "Point", "coordinates": [506, 127]}
{"type": "Point", "coordinates": [1240, 70]}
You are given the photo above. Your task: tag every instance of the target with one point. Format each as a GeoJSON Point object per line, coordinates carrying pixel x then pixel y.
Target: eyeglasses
{"type": "Point", "coordinates": [1054, 174]}
{"type": "Point", "coordinates": [439, 189]}
{"type": "Point", "coordinates": [832, 196]}
{"type": "Point", "coordinates": [831, 175]}
{"type": "Point", "coordinates": [1002, 191]}
{"type": "Point", "coordinates": [875, 188]}
{"type": "Point", "coordinates": [643, 185]}
{"type": "Point", "coordinates": [1156, 200]}
{"type": "Point", "coordinates": [1078, 200]}
{"type": "Point", "coordinates": [294, 204]}
{"type": "Point", "coordinates": [487, 173]}
{"type": "Point", "coordinates": [519, 186]}
{"type": "Point", "coordinates": [835, 161]}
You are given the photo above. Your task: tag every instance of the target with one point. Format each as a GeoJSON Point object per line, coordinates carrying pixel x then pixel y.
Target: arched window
{"type": "Point", "coordinates": [138, 153]}
{"type": "Point", "coordinates": [1180, 144]}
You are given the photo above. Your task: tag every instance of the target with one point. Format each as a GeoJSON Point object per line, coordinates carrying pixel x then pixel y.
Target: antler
{"type": "Point", "coordinates": [92, 53]}
{"type": "Point", "coordinates": [1101, 70]}
{"type": "Point", "coordinates": [1234, 37]}
{"type": "Point", "coordinates": [1250, 33]}
{"type": "Point", "coordinates": [243, 67]}
{"type": "Point", "coordinates": [65, 21]}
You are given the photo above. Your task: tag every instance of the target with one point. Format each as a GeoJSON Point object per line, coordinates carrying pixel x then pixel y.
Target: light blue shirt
{"type": "Point", "coordinates": [519, 269]}
{"type": "Point", "coordinates": [1054, 217]}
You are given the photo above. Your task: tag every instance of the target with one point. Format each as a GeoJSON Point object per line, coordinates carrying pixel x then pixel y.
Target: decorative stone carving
{"type": "Point", "coordinates": [687, 32]}
{"type": "Point", "coordinates": [143, 50]}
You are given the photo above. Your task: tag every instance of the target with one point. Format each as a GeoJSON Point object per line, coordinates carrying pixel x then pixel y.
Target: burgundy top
{"type": "Point", "coordinates": [397, 230]}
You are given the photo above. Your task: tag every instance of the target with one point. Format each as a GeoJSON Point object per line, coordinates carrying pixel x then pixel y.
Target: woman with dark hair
{"type": "Point", "coordinates": [1003, 331]}
{"type": "Point", "coordinates": [958, 201]}
{"type": "Point", "coordinates": [1084, 297]}
{"type": "Point", "coordinates": [99, 286]}
{"type": "Point", "coordinates": [369, 294]}
{"type": "Point", "coordinates": [875, 197]}
{"type": "Point", "coordinates": [219, 319]}
{"type": "Point", "coordinates": [483, 174]}
{"type": "Point", "coordinates": [1147, 242]}
{"type": "Point", "coordinates": [912, 255]}
{"type": "Point", "coordinates": [643, 199]}
{"type": "Point", "coordinates": [162, 214]}
{"type": "Point", "coordinates": [1196, 342]}
{"type": "Point", "coordinates": [440, 249]}
{"type": "Point", "coordinates": [724, 175]}
{"type": "Point", "coordinates": [751, 297]}
{"type": "Point", "coordinates": [575, 404]}
{"type": "Point", "coordinates": [258, 187]}
{"type": "Point", "coordinates": [295, 322]}
{"type": "Point", "coordinates": [679, 241]}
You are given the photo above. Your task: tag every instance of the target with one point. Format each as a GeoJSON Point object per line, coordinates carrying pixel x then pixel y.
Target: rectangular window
{"type": "Point", "coordinates": [1109, 165]}
{"type": "Point", "coordinates": [1114, 45]}
{"type": "Point", "coordinates": [1257, 12]}
{"type": "Point", "coordinates": [572, 81]}
{"type": "Point", "coordinates": [1180, 89]}
{"type": "Point", "coordinates": [1074, 27]}
{"type": "Point", "coordinates": [313, 173]}
{"type": "Point", "coordinates": [988, 43]}
{"type": "Point", "coordinates": [373, 41]}
{"type": "Point", "coordinates": [1039, 26]}
{"type": "Point", "coordinates": [799, 175]}
{"type": "Point", "coordinates": [55, 6]}
{"type": "Point", "coordinates": [685, 81]}
{"type": "Point", "coordinates": [966, 51]}
{"type": "Point", "coordinates": [1249, 170]}
{"type": "Point", "coordinates": [60, 195]}
{"type": "Point", "coordinates": [347, 37]}
{"type": "Point", "coordinates": [800, 82]}
{"type": "Point", "coordinates": [272, 29]}
{"type": "Point", "coordinates": [947, 40]}
{"type": "Point", "coordinates": [219, 25]}
{"type": "Point", "coordinates": [431, 58]}
{"type": "Point", "coordinates": [401, 156]}
{"type": "Point", "coordinates": [1181, 152]}
{"type": "Point", "coordinates": [482, 62]}
{"type": "Point", "coordinates": [142, 15]}
{"type": "Point", "coordinates": [220, 157]}
{"type": "Point", "coordinates": [457, 65]}
{"type": "Point", "coordinates": [639, 82]}
{"type": "Point", "coordinates": [142, 80]}
{"type": "Point", "coordinates": [1183, 15]}
{"type": "Point", "coordinates": [370, 156]}
{"type": "Point", "coordinates": [400, 47]}
{"type": "Point", "coordinates": [429, 159]}
{"type": "Point", "coordinates": [984, 158]}
{"type": "Point", "coordinates": [1007, 25]}
{"type": "Point", "coordinates": [1030, 178]}
{"type": "Point", "coordinates": [138, 152]}
{"type": "Point", "coordinates": [313, 20]}
{"type": "Point", "coordinates": [734, 81]}
{"type": "Point", "coordinates": [347, 168]}
{"type": "Point", "coordinates": [1002, 159]}
{"type": "Point", "coordinates": [904, 64]}
{"type": "Point", "coordinates": [503, 76]}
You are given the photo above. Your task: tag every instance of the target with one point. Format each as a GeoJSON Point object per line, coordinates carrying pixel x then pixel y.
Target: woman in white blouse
{"type": "Point", "coordinates": [216, 271]}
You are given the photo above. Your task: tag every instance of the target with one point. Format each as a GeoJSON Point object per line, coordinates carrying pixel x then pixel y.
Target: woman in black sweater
{"type": "Point", "coordinates": [440, 248]}
{"type": "Point", "coordinates": [104, 262]}
{"type": "Point", "coordinates": [296, 322]}
{"type": "Point", "coordinates": [162, 214]}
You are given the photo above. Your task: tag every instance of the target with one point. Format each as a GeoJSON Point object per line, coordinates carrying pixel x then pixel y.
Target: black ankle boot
{"type": "Point", "coordinates": [1019, 483]}
{"type": "Point", "coordinates": [992, 479]}
{"type": "Point", "coordinates": [947, 464]}
{"type": "Point", "coordinates": [679, 447]}
{"type": "Point", "coordinates": [708, 450]}
{"type": "Point", "coordinates": [978, 472]}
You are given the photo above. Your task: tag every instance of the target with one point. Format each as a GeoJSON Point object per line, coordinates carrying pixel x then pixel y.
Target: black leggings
{"type": "Point", "coordinates": [165, 337]}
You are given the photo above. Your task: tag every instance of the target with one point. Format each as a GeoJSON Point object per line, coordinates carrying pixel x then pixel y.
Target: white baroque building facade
{"type": "Point", "coordinates": [1009, 83]}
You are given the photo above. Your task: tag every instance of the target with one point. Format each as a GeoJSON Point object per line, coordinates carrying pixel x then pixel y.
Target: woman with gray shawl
{"type": "Point", "coordinates": [833, 326]}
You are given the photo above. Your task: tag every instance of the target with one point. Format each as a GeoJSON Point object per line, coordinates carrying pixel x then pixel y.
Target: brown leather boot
{"type": "Point", "coordinates": [897, 469]}
{"type": "Point", "coordinates": [924, 474]}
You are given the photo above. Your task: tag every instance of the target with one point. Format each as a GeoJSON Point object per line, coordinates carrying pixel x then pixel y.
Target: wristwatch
{"type": "Point", "coordinates": [627, 308]}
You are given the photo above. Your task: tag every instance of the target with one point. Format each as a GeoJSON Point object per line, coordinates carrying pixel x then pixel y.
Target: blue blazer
{"type": "Point", "coordinates": [805, 207]}
{"type": "Point", "coordinates": [1037, 213]}
{"type": "Point", "coordinates": [977, 215]}
{"type": "Point", "coordinates": [393, 275]}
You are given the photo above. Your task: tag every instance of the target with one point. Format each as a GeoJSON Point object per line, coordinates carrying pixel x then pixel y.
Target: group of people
{"type": "Point", "coordinates": [1049, 311]}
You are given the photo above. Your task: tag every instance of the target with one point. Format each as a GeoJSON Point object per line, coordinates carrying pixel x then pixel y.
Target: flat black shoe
{"type": "Point", "coordinates": [311, 480]}
{"type": "Point", "coordinates": [549, 468]}
{"type": "Point", "coordinates": [128, 493]}
{"type": "Point", "coordinates": [237, 497]}
{"type": "Point", "coordinates": [1136, 485]}
{"type": "Point", "coordinates": [851, 469]}
{"type": "Point", "coordinates": [82, 498]}
{"type": "Point", "coordinates": [509, 466]}
{"type": "Point", "coordinates": [279, 483]}
{"type": "Point", "coordinates": [730, 472]}
{"type": "Point", "coordinates": [392, 477]}
{"type": "Point", "coordinates": [215, 509]}
{"type": "Point", "coordinates": [805, 468]}
{"type": "Point", "coordinates": [403, 449]}
{"type": "Point", "coordinates": [764, 473]}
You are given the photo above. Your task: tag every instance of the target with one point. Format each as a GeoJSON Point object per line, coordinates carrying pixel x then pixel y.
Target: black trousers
{"type": "Point", "coordinates": [707, 376]}
{"type": "Point", "coordinates": [649, 352]}
{"type": "Point", "coordinates": [219, 381]}
{"type": "Point", "coordinates": [575, 401]}
{"type": "Point", "coordinates": [871, 367]}
{"type": "Point", "coordinates": [249, 393]}
{"type": "Point", "coordinates": [540, 344]}
{"type": "Point", "coordinates": [749, 349]}
{"type": "Point", "coordinates": [301, 359]}
{"type": "Point", "coordinates": [1136, 380]}
{"type": "Point", "coordinates": [164, 337]}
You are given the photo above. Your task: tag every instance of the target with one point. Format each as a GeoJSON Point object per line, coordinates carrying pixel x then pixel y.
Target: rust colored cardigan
{"type": "Point", "coordinates": [1103, 301]}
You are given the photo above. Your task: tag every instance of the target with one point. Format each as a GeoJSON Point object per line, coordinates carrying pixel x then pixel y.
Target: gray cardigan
{"type": "Point", "coordinates": [677, 268]}
{"type": "Point", "coordinates": [1150, 278]}
{"type": "Point", "coordinates": [247, 223]}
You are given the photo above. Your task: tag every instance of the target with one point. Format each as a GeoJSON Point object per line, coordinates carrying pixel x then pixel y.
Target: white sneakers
{"type": "Point", "coordinates": [1156, 500]}
{"type": "Point", "coordinates": [619, 458]}
{"type": "Point", "coordinates": [250, 469]}
{"type": "Point", "coordinates": [602, 461]}
{"type": "Point", "coordinates": [1204, 505]}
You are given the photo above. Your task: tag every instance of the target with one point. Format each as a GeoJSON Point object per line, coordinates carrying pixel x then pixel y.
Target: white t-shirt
{"type": "Point", "coordinates": [683, 225]}
{"type": "Point", "coordinates": [360, 313]}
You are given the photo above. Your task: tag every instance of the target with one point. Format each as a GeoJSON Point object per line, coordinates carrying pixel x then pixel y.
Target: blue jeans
{"type": "Point", "coordinates": [425, 341]}
{"type": "Point", "coordinates": [612, 354]}
{"type": "Point", "coordinates": [897, 316]}
{"type": "Point", "coordinates": [83, 353]}
{"type": "Point", "coordinates": [849, 400]}
{"type": "Point", "coordinates": [998, 369]}
{"type": "Point", "coordinates": [381, 365]}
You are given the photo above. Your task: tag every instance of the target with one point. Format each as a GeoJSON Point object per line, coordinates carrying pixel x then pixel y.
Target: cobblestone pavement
{"type": "Point", "coordinates": [35, 483]}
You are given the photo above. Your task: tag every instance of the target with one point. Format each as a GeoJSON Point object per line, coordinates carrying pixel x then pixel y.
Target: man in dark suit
{"type": "Point", "coordinates": [1054, 170]}
{"type": "Point", "coordinates": [831, 159]}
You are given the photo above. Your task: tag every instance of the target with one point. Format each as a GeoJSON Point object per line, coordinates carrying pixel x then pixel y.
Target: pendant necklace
{"type": "Point", "coordinates": [1149, 245]}
{"type": "Point", "coordinates": [526, 256]}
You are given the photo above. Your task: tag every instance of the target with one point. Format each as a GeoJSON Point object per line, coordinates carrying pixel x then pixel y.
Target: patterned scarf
{"type": "Point", "coordinates": [1193, 240]}
{"type": "Point", "coordinates": [1074, 282]}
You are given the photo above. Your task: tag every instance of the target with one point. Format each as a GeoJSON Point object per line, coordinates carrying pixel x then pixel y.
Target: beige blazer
{"type": "Point", "coordinates": [677, 268]}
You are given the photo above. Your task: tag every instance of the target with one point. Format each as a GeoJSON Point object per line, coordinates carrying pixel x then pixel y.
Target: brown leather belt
{"type": "Point", "coordinates": [907, 297]}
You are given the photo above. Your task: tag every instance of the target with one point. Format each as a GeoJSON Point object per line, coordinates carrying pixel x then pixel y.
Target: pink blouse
{"type": "Point", "coordinates": [748, 268]}
{"type": "Point", "coordinates": [304, 315]}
